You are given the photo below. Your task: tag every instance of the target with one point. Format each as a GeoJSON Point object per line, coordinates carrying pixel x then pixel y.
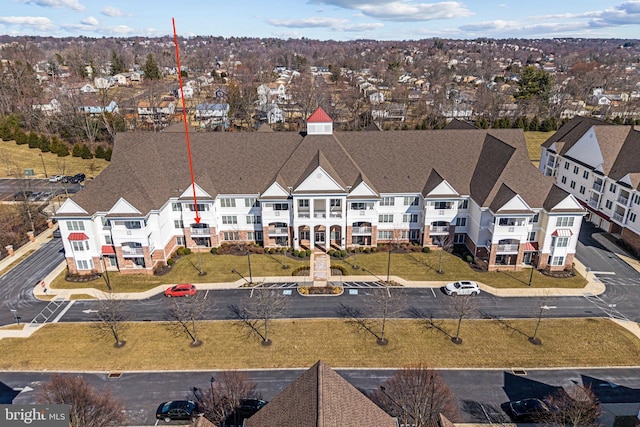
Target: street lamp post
{"type": "Point", "coordinates": [388, 266]}
{"type": "Point", "coordinates": [249, 262]}
{"type": "Point", "coordinates": [43, 166]}
{"type": "Point", "coordinates": [106, 273]}
{"type": "Point", "coordinates": [531, 275]}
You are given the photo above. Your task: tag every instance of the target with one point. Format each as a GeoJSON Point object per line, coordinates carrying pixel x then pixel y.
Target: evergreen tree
{"type": "Point", "coordinates": [150, 68]}
{"type": "Point", "coordinates": [76, 151]}
{"type": "Point", "coordinates": [85, 152]}
{"type": "Point", "coordinates": [117, 63]}
{"type": "Point", "coordinates": [534, 83]}
{"type": "Point", "coordinates": [33, 140]}
{"type": "Point", "coordinates": [100, 152]}
{"type": "Point", "coordinates": [44, 144]}
{"type": "Point", "coordinates": [20, 137]}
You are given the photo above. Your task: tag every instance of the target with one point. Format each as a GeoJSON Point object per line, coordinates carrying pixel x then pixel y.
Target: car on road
{"type": "Point", "coordinates": [55, 178]}
{"type": "Point", "coordinates": [181, 290]}
{"type": "Point", "coordinates": [462, 287]}
{"type": "Point", "coordinates": [530, 409]}
{"type": "Point", "coordinates": [177, 410]}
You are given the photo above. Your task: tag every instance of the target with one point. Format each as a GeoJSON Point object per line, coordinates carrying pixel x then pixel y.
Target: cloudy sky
{"type": "Point", "coordinates": [324, 19]}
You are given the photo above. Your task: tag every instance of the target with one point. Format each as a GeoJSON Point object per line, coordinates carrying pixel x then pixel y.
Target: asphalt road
{"type": "Point", "coordinates": [481, 393]}
{"type": "Point", "coordinates": [10, 186]}
{"type": "Point", "coordinates": [16, 286]}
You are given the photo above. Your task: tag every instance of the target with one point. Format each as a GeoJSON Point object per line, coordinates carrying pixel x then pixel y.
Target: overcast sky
{"type": "Point", "coordinates": [324, 19]}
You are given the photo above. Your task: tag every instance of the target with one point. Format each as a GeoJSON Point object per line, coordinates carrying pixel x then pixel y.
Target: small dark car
{"type": "Point", "coordinates": [247, 408]}
{"type": "Point", "coordinates": [530, 409]}
{"type": "Point", "coordinates": [177, 410]}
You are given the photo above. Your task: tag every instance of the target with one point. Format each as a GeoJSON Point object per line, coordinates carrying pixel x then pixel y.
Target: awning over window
{"type": "Point", "coordinates": [562, 232]}
{"type": "Point", "coordinates": [78, 236]}
{"type": "Point", "coordinates": [530, 246]}
{"type": "Point", "coordinates": [108, 250]}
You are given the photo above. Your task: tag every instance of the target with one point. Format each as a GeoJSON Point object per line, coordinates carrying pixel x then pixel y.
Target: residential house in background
{"type": "Point", "coordinates": [599, 164]}
{"type": "Point", "coordinates": [212, 114]}
{"type": "Point", "coordinates": [320, 189]}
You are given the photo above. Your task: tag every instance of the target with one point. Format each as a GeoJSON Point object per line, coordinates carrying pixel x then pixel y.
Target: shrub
{"type": "Point", "coordinates": [367, 250]}
{"type": "Point", "coordinates": [374, 249]}
{"type": "Point", "coordinates": [339, 267]}
{"type": "Point", "coordinates": [180, 250]}
{"type": "Point", "coordinates": [304, 290]}
{"type": "Point", "coordinates": [296, 253]}
{"type": "Point", "coordinates": [171, 261]}
{"type": "Point", "coordinates": [308, 252]}
{"type": "Point", "coordinates": [302, 254]}
{"type": "Point", "coordinates": [214, 251]}
{"type": "Point", "coordinates": [469, 259]}
{"type": "Point", "coordinates": [426, 250]}
{"type": "Point", "coordinates": [331, 252]}
{"type": "Point", "coordinates": [187, 251]}
{"type": "Point", "coordinates": [301, 269]}
{"type": "Point", "coordinates": [343, 253]}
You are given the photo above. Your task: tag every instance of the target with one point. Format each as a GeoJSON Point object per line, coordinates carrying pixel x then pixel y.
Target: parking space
{"type": "Point", "coordinates": [346, 285]}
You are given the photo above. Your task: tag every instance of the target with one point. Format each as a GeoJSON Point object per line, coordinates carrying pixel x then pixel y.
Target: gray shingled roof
{"type": "Point", "coordinates": [321, 398]}
{"type": "Point", "coordinates": [148, 168]}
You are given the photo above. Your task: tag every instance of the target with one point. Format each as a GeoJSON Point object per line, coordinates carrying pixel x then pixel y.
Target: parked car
{"type": "Point", "coordinates": [78, 178]}
{"type": "Point", "coordinates": [35, 196]}
{"type": "Point", "coordinates": [55, 178]}
{"type": "Point", "coordinates": [462, 287]}
{"type": "Point", "coordinates": [56, 233]}
{"type": "Point", "coordinates": [177, 410]}
{"type": "Point", "coordinates": [66, 179]}
{"type": "Point", "coordinates": [247, 408]}
{"type": "Point", "coordinates": [22, 195]}
{"type": "Point", "coordinates": [530, 409]}
{"type": "Point", "coordinates": [181, 290]}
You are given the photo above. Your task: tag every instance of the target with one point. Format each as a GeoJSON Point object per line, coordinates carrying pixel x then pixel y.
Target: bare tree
{"type": "Point", "coordinates": [185, 316]}
{"type": "Point", "coordinates": [258, 311]}
{"type": "Point", "coordinates": [89, 407]}
{"type": "Point", "coordinates": [383, 305]}
{"type": "Point", "coordinates": [112, 315]}
{"type": "Point", "coordinates": [416, 395]}
{"type": "Point", "coordinates": [461, 306]}
{"type": "Point", "coordinates": [224, 395]}
{"type": "Point", "coordinates": [575, 406]}
{"type": "Point", "coordinates": [446, 245]}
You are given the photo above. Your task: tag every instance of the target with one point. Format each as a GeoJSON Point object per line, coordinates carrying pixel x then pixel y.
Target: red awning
{"type": "Point", "coordinates": [562, 232]}
{"type": "Point", "coordinates": [78, 236]}
{"type": "Point", "coordinates": [108, 250]}
{"type": "Point", "coordinates": [530, 246]}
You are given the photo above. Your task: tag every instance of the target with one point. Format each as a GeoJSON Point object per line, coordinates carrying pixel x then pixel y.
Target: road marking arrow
{"type": "Point", "coordinates": [89, 311]}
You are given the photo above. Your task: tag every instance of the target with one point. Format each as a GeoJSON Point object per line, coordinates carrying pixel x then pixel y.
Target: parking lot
{"type": "Point", "coordinates": [34, 189]}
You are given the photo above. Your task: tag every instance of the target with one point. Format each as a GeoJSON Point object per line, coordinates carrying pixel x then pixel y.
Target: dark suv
{"type": "Point", "coordinates": [76, 179]}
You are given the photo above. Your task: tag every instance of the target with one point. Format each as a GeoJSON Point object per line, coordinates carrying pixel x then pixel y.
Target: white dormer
{"type": "Point", "coordinates": [319, 123]}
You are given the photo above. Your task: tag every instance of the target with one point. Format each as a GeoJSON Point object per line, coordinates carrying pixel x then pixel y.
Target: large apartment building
{"type": "Point", "coordinates": [599, 163]}
{"type": "Point", "coordinates": [320, 188]}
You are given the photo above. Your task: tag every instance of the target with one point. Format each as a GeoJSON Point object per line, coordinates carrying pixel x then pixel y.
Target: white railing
{"type": "Point", "coordinates": [335, 215]}
{"type": "Point", "coordinates": [200, 232]}
{"type": "Point", "coordinates": [623, 200]}
{"type": "Point", "coordinates": [304, 215]}
{"type": "Point", "coordinates": [278, 231]}
{"type": "Point", "coordinates": [507, 248]}
{"type": "Point", "coordinates": [319, 214]}
{"type": "Point", "coordinates": [593, 203]}
{"type": "Point", "coordinates": [132, 251]}
{"type": "Point", "coordinates": [597, 187]}
{"type": "Point", "coordinates": [439, 229]}
{"type": "Point", "coordinates": [618, 217]}
{"type": "Point", "coordinates": [361, 230]}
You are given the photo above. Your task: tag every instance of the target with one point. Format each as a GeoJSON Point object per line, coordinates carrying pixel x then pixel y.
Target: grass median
{"type": "Point", "coordinates": [412, 266]}
{"type": "Point", "coordinates": [300, 343]}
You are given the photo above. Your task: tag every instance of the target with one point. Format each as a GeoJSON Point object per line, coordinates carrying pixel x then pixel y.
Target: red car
{"type": "Point", "coordinates": [181, 290]}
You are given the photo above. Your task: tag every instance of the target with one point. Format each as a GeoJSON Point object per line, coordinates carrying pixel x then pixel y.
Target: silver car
{"type": "Point", "coordinates": [462, 287]}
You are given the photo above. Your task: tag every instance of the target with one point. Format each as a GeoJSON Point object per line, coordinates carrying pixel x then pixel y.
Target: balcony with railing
{"type": "Point", "coordinates": [623, 200]}
{"type": "Point", "coordinates": [132, 252]}
{"type": "Point", "coordinates": [278, 231]}
{"type": "Point", "coordinates": [507, 248]}
{"type": "Point", "coordinates": [551, 162]}
{"type": "Point", "coordinates": [597, 187]}
{"type": "Point", "coordinates": [361, 230]}
{"type": "Point", "coordinates": [304, 213]}
{"type": "Point", "coordinates": [594, 203]}
{"type": "Point", "coordinates": [320, 214]}
{"type": "Point", "coordinates": [200, 231]}
{"type": "Point", "coordinates": [618, 217]}
{"type": "Point", "coordinates": [439, 229]}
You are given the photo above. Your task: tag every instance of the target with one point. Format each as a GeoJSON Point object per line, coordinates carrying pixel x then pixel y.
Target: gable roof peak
{"type": "Point", "coordinates": [319, 116]}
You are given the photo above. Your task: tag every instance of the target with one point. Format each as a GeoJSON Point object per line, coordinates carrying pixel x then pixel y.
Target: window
{"type": "Point", "coordinates": [251, 202]}
{"type": "Point", "coordinates": [254, 219]}
{"type": "Point", "coordinates": [411, 201]}
{"type": "Point", "coordinates": [388, 201]}
{"type": "Point", "coordinates": [385, 218]}
{"type": "Point", "coordinates": [536, 218]}
{"type": "Point", "coordinates": [608, 204]}
{"type": "Point", "coordinates": [557, 260]}
{"type": "Point", "coordinates": [82, 264]}
{"type": "Point", "coordinates": [255, 236]}
{"type": "Point", "coordinates": [441, 205]}
{"type": "Point", "coordinates": [404, 234]}
{"type": "Point", "coordinates": [229, 219]}
{"type": "Point", "coordinates": [228, 203]}
{"type": "Point", "coordinates": [463, 204]}
{"type": "Point", "coordinates": [280, 206]}
{"type": "Point", "coordinates": [632, 217]}
{"type": "Point", "coordinates": [80, 245]}
{"type": "Point", "coordinates": [636, 199]}
{"type": "Point", "coordinates": [461, 222]}
{"type": "Point", "coordinates": [335, 203]}
{"type": "Point", "coordinates": [410, 218]}
{"type": "Point", "coordinates": [613, 187]}
{"type": "Point", "coordinates": [230, 235]}
{"type": "Point", "coordinates": [564, 221]}
{"type": "Point", "coordinates": [562, 242]}
{"type": "Point", "coordinates": [75, 225]}
{"type": "Point", "coordinates": [566, 165]}
{"type": "Point", "coordinates": [202, 207]}
{"type": "Point", "coordinates": [582, 189]}
{"type": "Point", "coordinates": [576, 169]}
{"type": "Point", "coordinates": [531, 237]}
{"type": "Point", "coordinates": [585, 174]}
{"type": "Point", "coordinates": [458, 238]}
{"type": "Point", "coordinates": [108, 240]}
{"type": "Point", "coordinates": [178, 223]}
{"type": "Point", "coordinates": [563, 179]}
{"type": "Point", "coordinates": [180, 241]}
{"type": "Point", "coordinates": [176, 207]}
{"type": "Point", "coordinates": [358, 206]}
{"type": "Point", "coordinates": [385, 234]}
{"type": "Point", "coordinates": [303, 203]}
{"type": "Point", "coordinates": [573, 184]}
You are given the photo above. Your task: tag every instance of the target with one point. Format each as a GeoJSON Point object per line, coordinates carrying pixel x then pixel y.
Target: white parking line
{"type": "Point", "coordinates": [604, 273]}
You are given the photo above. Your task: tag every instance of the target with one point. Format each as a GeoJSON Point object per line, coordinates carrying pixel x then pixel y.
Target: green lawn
{"type": "Point", "coordinates": [486, 344]}
{"type": "Point", "coordinates": [415, 266]}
